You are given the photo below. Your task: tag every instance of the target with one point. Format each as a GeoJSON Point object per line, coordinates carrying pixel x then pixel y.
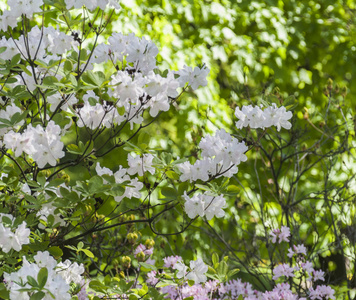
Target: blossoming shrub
{"type": "Point", "coordinates": [70, 225]}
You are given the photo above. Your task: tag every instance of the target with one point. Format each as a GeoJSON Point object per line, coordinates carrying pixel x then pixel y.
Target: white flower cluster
{"type": "Point", "coordinates": [133, 186]}
{"type": "Point", "coordinates": [221, 153]}
{"type": "Point", "coordinates": [92, 4]}
{"type": "Point", "coordinates": [21, 7]}
{"type": "Point", "coordinates": [10, 239]}
{"type": "Point", "coordinates": [195, 78]}
{"type": "Point", "coordinates": [17, 8]}
{"type": "Point", "coordinates": [99, 114]}
{"type": "Point", "coordinates": [47, 209]}
{"type": "Point", "coordinates": [140, 92]}
{"type": "Point", "coordinates": [7, 114]}
{"type": "Point", "coordinates": [196, 273]}
{"type": "Point", "coordinates": [204, 205]}
{"type": "Point", "coordinates": [58, 282]}
{"type": "Point", "coordinates": [140, 164]}
{"type": "Point", "coordinates": [45, 43]}
{"type": "Point", "coordinates": [139, 52]}
{"type": "Point", "coordinates": [255, 117]}
{"type": "Point", "coordinates": [44, 145]}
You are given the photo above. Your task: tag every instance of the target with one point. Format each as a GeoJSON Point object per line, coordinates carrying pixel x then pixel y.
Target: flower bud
{"type": "Point", "coordinates": [330, 84]}
{"type": "Point", "coordinates": [126, 261]}
{"type": "Point", "coordinates": [326, 92]}
{"type": "Point", "coordinates": [132, 237]}
{"type": "Point", "coordinates": [149, 243]}
{"type": "Point", "coordinates": [337, 88]}
{"type": "Point", "coordinates": [344, 91]}
{"type": "Point", "coordinates": [141, 256]}
{"type": "Point", "coordinates": [115, 262]}
{"type": "Point", "coordinates": [122, 274]}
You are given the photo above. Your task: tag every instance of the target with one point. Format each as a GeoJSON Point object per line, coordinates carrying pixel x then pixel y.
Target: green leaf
{"type": "Point", "coordinates": [42, 277]}
{"type": "Point", "coordinates": [125, 286]}
{"type": "Point", "coordinates": [32, 281]}
{"type": "Point", "coordinates": [15, 60]}
{"type": "Point", "coordinates": [222, 269]}
{"type": "Point", "coordinates": [6, 220]}
{"type": "Point", "coordinates": [72, 148]}
{"type": "Point", "coordinates": [97, 286]}
{"type": "Point", "coordinates": [147, 267]}
{"type": "Point", "coordinates": [172, 175]}
{"type": "Point", "coordinates": [68, 66]}
{"type": "Point", "coordinates": [95, 184]}
{"type": "Point", "coordinates": [233, 189]}
{"type": "Point", "coordinates": [38, 296]}
{"type": "Point", "coordinates": [95, 79]}
{"type": "Point", "coordinates": [232, 272]}
{"type": "Point", "coordinates": [144, 138]}
{"type": "Point", "coordinates": [202, 187]}
{"type": "Point", "coordinates": [4, 294]}
{"type": "Point", "coordinates": [25, 70]}
{"type": "Point", "coordinates": [215, 258]}
{"type": "Point", "coordinates": [169, 192]}
{"type": "Point", "coordinates": [50, 81]}
{"type": "Point", "coordinates": [88, 253]}
{"type": "Point", "coordinates": [80, 245]}
{"type": "Point", "coordinates": [55, 251]}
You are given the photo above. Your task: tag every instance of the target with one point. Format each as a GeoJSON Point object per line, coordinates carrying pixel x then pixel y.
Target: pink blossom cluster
{"type": "Point", "coordinates": [280, 234]}
{"type": "Point", "coordinates": [142, 248]}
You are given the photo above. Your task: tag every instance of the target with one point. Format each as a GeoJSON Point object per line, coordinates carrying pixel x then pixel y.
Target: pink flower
{"type": "Point", "coordinates": [151, 278]}
{"type": "Point", "coordinates": [307, 266]}
{"type": "Point", "coordinates": [300, 249]}
{"type": "Point", "coordinates": [283, 270]}
{"type": "Point", "coordinates": [282, 234]}
{"type": "Point", "coordinates": [170, 261]}
{"type": "Point", "coordinates": [318, 275]}
{"type": "Point", "coordinates": [142, 248]}
{"type": "Point", "coordinates": [322, 292]}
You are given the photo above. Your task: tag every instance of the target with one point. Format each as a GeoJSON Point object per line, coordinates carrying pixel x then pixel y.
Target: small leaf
{"type": "Point", "coordinates": [147, 267]}
{"type": "Point", "coordinates": [42, 277]}
{"type": "Point", "coordinates": [222, 269]}
{"type": "Point", "coordinates": [55, 251]}
{"type": "Point", "coordinates": [32, 281]}
{"type": "Point", "coordinates": [215, 258]}
{"type": "Point", "coordinates": [72, 148]}
{"type": "Point", "coordinates": [38, 296]}
{"type": "Point", "coordinates": [233, 189]}
{"type": "Point", "coordinates": [202, 187]}
{"type": "Point", "coordinates": [88, 253]}
{"type": "Point", "coordinates": [169, 192]}
{"type": "Point", "coordinates": [232, 272]}
{"type": "Point", "coordinates": [172, 175]}
{"type": "Point", "coordinates": [125, 286]}
{"type": "Point", "coordinates": [97, 286]}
